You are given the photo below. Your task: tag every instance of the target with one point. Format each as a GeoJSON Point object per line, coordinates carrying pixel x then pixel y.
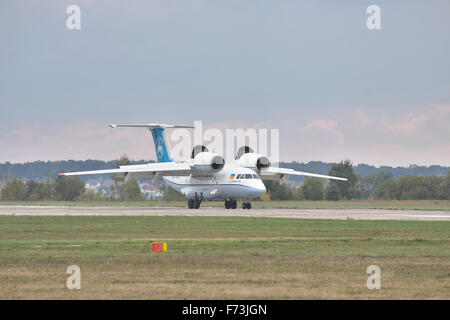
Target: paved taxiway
{"type": "Point", "coordinates": [364, 214]}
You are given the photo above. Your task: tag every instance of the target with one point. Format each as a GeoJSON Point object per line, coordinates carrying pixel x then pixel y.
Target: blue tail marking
{"type": "Point", "coordinates": [161, 146]}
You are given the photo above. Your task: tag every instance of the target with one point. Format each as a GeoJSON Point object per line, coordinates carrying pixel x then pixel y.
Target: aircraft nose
{"type": "Point", "coordinates": [261, 188]}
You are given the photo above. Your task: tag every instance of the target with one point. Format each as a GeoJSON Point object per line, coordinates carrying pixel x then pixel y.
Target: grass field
{"type": "Point", "coordinates": [222, 257]}
{"type": "Point", "coordinates": [360, 204]}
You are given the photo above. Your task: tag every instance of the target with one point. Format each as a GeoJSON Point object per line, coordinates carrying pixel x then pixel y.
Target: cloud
{"type": "Point", "coordinates": [414, 121]}
{"type": "Point", "coordinates": [420, 137]}
{"type": "Point", "coordinates": [318, 127]}
{"type": "Point", "coordinates": [361, 117]}
{"type": "Point", "coordinates": [406, 127]}
{"type": "Point", "coordinates": [90, 140]}
{"type": "Point", "coordinates": [82, 140]}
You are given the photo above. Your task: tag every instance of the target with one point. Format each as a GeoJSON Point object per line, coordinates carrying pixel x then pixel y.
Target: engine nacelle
{"type": "Point", "coordinates": [254, 161]}
{"type": "Point", "coordinates": [208, 162]}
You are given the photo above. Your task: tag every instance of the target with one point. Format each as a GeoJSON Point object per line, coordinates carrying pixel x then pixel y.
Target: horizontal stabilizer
{"type": "Point", "coordinates": [150, 126]}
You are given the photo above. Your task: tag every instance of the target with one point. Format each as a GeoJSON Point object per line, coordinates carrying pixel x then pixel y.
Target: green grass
{"type": "Point", "coordinates": [359, 204]}
{"type": "Point", "coordinates": [222, 257]}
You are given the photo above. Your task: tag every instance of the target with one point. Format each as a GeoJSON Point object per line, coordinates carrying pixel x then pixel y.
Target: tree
{"type": "Point", "coordinates": [119, 179]}
{"type": "Point", "coordinates": [297, 194]}
{"type": "Point", "coordinates": [112, 192]}
{"type": "Point", "coordinates": [14, 190]}
{"type": "Point", "coordinates": [416, 187]}
{"type": "Point", "coordinates": [312, 189]}
{"type": "Point", "coordinates": [279, 191]}
{"type": "Point", "coordinates": [444, 188]}
{"type": "Point", "coordinates": [332, 192]}
{"type": "Point", "coordinates": [265, 196]}
{"type": "Point", "coordinates": [33, 190]}
{"type": "Point", "coordinates": [370, 183]}
{"type": "Point", "coordinates": [89, 194]}
{"type": "Point", "coordinates": [68, 188]}
{"type": "Point", "coordinates": [387, 190]}
{"type": "Point", "coordinates": [46, 190]}
{"type": "Point", "coordinates": [123, 160]}
{"type": "Point", "coordinates": [132, 191]}
{"type": "Point", "coordinates": [347, 189]}
{"type": "Point", "coordinates": [172, 195]}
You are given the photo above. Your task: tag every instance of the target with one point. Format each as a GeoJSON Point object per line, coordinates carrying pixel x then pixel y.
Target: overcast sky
{"type": "Point", "coordinates": [310, 68]}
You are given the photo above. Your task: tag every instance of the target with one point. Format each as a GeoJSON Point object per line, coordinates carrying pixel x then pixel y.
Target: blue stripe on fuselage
{"type": "Point", "coordinates": [209, 184]}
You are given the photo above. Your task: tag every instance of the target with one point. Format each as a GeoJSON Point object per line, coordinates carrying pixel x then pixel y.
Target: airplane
{"type": "Point", "coordinates": [205, 176]}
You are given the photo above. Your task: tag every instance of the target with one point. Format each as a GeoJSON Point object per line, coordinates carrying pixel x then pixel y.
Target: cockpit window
{"type": "Point", "coordinates": [255, 176]}
{"type": "Point", "coordinates": [239, 176]}
{"type": "Point", "coordinates": [248, 176]}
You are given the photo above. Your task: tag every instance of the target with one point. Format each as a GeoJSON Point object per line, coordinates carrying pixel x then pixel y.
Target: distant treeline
{"type": "Point", "coordinates": [41, 170]}
{"type": "Point", "coordinates": [377, 185]}
{"type": "Point", "coordinates": [68, 189]}
{"type": "Point", "coordinates": [364, 169]}
{"type": "Point", "coordinates": [71, 188]}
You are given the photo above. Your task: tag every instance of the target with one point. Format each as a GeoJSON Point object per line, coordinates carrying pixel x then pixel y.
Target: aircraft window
{"type": "Point", "coordinates": [248, 176]}
{"type": "Point", "coordinates": [240, 176]}
{"type": "Point", "coordinates": [255, 176]}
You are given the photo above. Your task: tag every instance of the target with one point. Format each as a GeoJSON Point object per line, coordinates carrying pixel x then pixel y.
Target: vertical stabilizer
{"type": "Point", "coordinates": [162, 146]}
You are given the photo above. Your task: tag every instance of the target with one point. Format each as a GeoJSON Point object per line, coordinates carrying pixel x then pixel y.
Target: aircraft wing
{"type": "Point", "coordinates": [150, 170]}
{"type": "Point", "coordinates": [274, 173]}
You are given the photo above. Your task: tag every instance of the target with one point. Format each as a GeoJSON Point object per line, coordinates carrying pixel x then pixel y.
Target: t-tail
{"type": "Point", "coordinates": [162, 146]}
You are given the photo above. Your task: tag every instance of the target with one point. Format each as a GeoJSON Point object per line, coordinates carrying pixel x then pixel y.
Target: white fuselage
{"type": "Point", "coordinates": [231, 182]}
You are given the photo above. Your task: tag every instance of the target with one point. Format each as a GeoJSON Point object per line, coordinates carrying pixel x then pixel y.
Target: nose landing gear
{"type": "Point", "coordinates": [246, 205]}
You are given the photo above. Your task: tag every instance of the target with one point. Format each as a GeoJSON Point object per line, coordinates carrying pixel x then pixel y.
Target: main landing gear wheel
{"type": "Point", "coordinates": [194, 203]}
{"type": "Point", "coordinates": [246, 205]}
{"type": "Point", "coordinates": [230, 204]}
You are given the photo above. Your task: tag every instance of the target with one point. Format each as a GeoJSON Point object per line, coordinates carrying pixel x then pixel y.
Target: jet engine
{"type": "Point", "coordinates": [247, 158]}
{"type": "Point", "coordinates": [197, 149]}
{"type": "Point", "coordinates": [204, 161]}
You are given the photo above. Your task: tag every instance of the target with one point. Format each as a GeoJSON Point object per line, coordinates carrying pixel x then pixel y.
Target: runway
{"type": "Point", "coordinates": [357, 214]}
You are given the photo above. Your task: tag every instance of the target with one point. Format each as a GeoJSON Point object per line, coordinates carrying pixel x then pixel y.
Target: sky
{"type": "Point", "coordinates": [334, 88]}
